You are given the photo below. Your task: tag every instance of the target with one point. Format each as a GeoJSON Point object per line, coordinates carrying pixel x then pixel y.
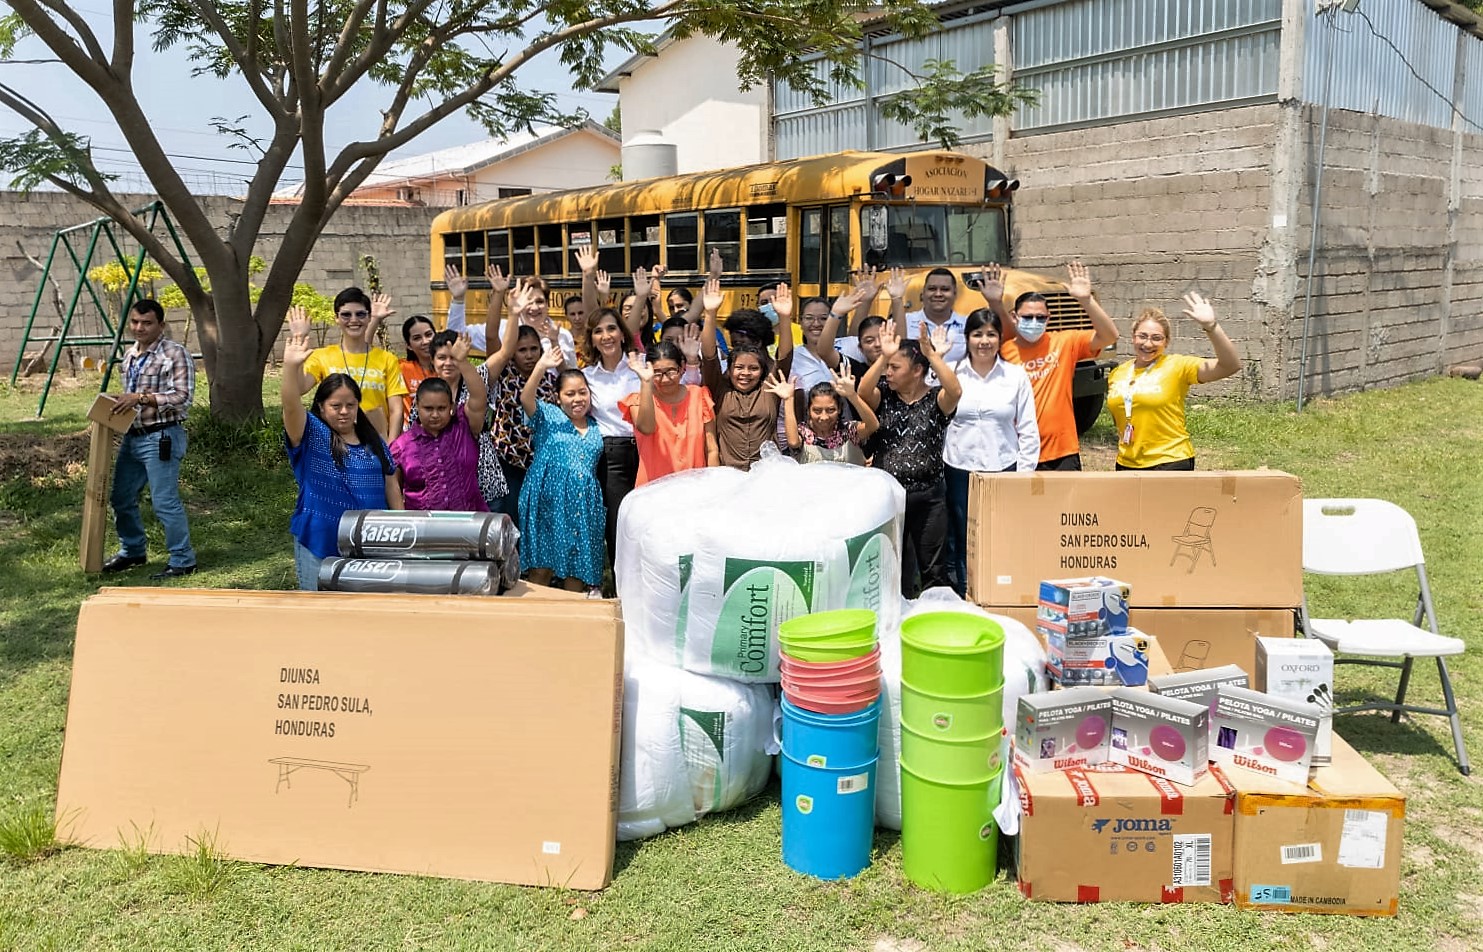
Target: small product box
{"type": "Point", "coordinates": [1160, 736]}
{"type": "Point", "coordinates": [1300, 669]}
{"type": "Point", "coordinates": [1083, 607]}
{"type": "Point", "coordinates": [1057, 730]}
{"type": "Point", "coordinates": [1106, 661]}
{"type": "Point", "coordinates": [1270, 735]}
{"type": "Point", "coordinates": [1198, 687]}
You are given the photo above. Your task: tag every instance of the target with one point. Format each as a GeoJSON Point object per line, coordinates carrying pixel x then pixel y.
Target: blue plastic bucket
{"type": "Point", "coordinates": [828, 818]}
{"type": "Point", "coordinates": [830, 740]}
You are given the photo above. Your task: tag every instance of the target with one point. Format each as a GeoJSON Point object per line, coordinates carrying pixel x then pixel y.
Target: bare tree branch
{"type": "Point", "coordinates": [245, 57]}
{"type": "Point", "coordinates": [85, 33]}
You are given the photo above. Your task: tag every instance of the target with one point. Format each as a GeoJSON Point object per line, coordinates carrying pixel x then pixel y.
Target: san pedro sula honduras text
{"type": "Point", "coordinates": [1094, 540]}
{"type": "Point", "coordinates": [319, 704]}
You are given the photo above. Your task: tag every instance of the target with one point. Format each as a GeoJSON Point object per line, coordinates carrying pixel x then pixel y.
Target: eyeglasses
{"type": "Point", "coordinates": [1149, 338]}
{"type": "Point", "coordinates": [351, 314]}
{"type": "Point", "coordinates": [667, 374]}
{"type": "Point", "coordinates": [815, 318]}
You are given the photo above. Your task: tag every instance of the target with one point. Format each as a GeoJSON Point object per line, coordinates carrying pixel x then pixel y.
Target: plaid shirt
{"type": "Point", "coordinates": [167, 371]}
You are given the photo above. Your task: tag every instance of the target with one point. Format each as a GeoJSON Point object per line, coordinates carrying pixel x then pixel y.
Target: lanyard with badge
{"type": "Point", "coordinates": [1134, 380]}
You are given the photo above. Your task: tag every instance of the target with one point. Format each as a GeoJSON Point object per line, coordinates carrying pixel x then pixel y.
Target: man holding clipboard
{"type": "Point", "coordinates": [159, 382]}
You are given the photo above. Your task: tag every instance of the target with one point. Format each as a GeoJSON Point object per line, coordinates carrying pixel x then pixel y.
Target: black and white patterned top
{"type": "Point", "coordinates": [908, 444]}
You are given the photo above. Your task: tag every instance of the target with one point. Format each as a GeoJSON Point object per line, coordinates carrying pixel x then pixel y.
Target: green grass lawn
{"type": "Point", "coordinates": [719, 884]}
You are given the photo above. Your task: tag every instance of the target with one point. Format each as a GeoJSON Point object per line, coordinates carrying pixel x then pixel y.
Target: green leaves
{"type": "Point", "coordinates": [38, 158]}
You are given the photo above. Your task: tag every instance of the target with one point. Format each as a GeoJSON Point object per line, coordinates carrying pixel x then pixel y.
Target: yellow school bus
{"type": "Point", "coordinates": [812, 222]}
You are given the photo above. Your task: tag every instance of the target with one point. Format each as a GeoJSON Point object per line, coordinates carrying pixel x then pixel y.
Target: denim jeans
{"type": "Point", "coordinates": [139, 464]}
{"type": "Point", "coordinates": [306, 566]}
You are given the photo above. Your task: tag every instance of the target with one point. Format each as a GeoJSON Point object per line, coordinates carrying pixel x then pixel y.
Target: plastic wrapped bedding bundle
{"type": "Point", "coordinates": [888, 730]}
{"type": "Point", "coordinates": [691, 745]}
{"type": "Point", "coordinates": [711, 562]}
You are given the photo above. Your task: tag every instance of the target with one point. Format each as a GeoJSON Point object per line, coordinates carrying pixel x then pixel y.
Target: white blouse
{"type": "Point", "coordinates": [995, 426]}
{"type": "Point", "coordinates": [608, 388]}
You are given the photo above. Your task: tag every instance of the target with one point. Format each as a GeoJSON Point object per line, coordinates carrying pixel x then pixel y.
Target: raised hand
{"type": "Point", "coordinates": [854, 297]}
{"type": "Point", "coordinates": [935, 342]}
{"type": "Point", "coordinates": [586, 258]}
{"type": "Point", "coordinates": [844, 379]}
{"type": "Point", "coordinates": [716, 264]}
{"type": "Point", "coordinates": [550, 360]}
{"type": "Point", "coordinates": [639, 364]}
{"type": "Point", "coordinates": [497, 280]}
{"type": "Point", "coordinates": [779, 386]}
{"type": "Point", "coordinates": [890, 340]}
{"type": "Point", "coordinates": [297, 348]}
{"type": "Point", "coordinates": [381, 308]}
{"type": "Point", "coordinates": [521, 297]}
{"type": "Point", "coordinates": [1196, 307]}
{"type": "Point", "coordinates": [782, 301]}
{"type": "Point", "coordinates": [690, 343]}
{"type": "Point", "coordinates": [299, 324]}
{"type": "Point", "coordinates": [711, 297]}
{"type": "Point", "coordinates": [461, 348]}
{"type": "Point", "coordinates": [641, 282]}
{"type": "Point", "coordinates": [458, 285]}
{"type": "Point", "coordinates": [547, 328]}
{"type": "Point", "coordinates": [656, 275]}
{"type": "Point", "coordinates": [603, 282]}
{"type": "Point", "coordinates": [1080, 285]}
{"type": "Point", "coordinates": [991, 282]}
{"type": "Point", "coordinates": [896, 284]}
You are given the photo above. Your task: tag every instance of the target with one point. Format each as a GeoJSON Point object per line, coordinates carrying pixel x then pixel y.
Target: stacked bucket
{"type": "Point", "coordinates": [831, 709]}
{"type": "Point", "coordinates": [952, 726]}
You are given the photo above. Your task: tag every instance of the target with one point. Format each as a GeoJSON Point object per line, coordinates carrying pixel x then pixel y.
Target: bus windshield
{"type": "Point", "coordinates": [911, 236]}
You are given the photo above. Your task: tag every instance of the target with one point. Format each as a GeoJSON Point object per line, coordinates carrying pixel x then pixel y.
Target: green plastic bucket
{"type": "Point", "coordinates": [952, 654]}
{"type": "Point", "coordinates": [843, 626]}
{"type": "Point", "coordinates": [958, 760]}
{"type": "Point", "coordinates": [953, 718]}
{"type": "Point", "coordinates": [949, 839]}
{"type": "Point", "coordinates": [835, 651]}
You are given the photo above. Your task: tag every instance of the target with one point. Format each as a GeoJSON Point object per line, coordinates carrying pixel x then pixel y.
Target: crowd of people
{"type": "Point", "coordinates": [559, 423]}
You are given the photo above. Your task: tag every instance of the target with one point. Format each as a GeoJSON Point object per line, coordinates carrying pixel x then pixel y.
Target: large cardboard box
{"type": "Point", "coordinates": [1194, 638]}
{"type": "Point", "coordinates": [1109, 834]}
{"type": "Point", "coordinates": [1181, 540]}
{"type": "Point", "coordinates": [462, 737]}
{"type": "Point", "coordinates": [1333, 846]}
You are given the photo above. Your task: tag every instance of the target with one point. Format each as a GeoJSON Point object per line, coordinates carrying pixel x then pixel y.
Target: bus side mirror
{"type": "Point", "coordinates": [875, 227]}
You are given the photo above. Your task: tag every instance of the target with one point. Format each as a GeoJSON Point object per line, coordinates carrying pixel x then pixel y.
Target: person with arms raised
{"type": "Point", "coordinates": [438, 454]}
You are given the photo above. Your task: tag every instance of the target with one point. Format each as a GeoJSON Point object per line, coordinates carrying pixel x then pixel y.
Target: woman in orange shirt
{"type": "Point", "coordinates": [674, 424]}
{"type": "Point", "coordinates": [417, 334]}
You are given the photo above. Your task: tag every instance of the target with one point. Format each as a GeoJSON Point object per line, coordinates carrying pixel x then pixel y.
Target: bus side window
{"type": "Point", "coordinates": [767, 238]}
{"type": "Point", "coordinates": [473, 259]}
{"type": "Point", "coordinates": [453, 250]}
{"type": "Point", "coordinates": [552, 261]}
{"type": "Point", "coordinates": [643, 242]}
{"type": "Point", "coordinates": [523, 244]}
{"type": "Point", "coordinates": [811, 245]}
{"type": "Point", "coordinates": [723, 233]}
{"type": "Point", "coordinates": [497, 244]}
{"type": "Point", "coordinates": [681, 238]}
{"type": "Point", "coordinates": [610, 246]}
{"type": "Point", "coordinates": [839, 244]}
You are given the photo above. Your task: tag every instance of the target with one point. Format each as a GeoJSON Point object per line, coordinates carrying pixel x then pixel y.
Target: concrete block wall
{"type": "Point", "coordinates": [397, 237]}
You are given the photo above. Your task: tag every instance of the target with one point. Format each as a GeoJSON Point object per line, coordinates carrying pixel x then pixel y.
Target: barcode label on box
{"type": "Point", "coordinates": [1302, 853]}
{"type": "Point", "coordinates": [1362, 843]}
{"type": "Point", "coordinates": [1191, 860]}
{"type": "Point", "coordinates": [1271, 895]}
{"type": "Point", "coordinates": [855, 783]}
{"type": "Point", "coordinates": [551, 848]}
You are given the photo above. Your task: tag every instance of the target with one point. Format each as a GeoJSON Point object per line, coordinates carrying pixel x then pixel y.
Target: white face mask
{"type": "Point", "coordinates": [1031, 329]}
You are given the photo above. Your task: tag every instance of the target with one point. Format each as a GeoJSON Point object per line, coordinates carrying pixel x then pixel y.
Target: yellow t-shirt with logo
{"type": "Point", "coordinates": [377, 372]}
{"type": "Point", "coordinates": [1159, 432]}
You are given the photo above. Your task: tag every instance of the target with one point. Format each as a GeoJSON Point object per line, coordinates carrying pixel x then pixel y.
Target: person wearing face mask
{"type": "Point", "coordinates": [561, 511]}
{"type": "Point", "coordinates": [438, 453]}
{"type": "Point", "coordinates": [377, 373]}
{"type": "Point", "coordinates": [339, 460]}
{"type": "Point", "coordinates": [1146, 394]}
{"type": "Point", "coordinates": [767, 307]}
{"type": "Point", "coordinates": [1050, 357]}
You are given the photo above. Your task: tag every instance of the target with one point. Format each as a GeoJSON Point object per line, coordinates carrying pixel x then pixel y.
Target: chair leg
{"type": "Point", "coordinates": [1462, 754]}
{"type": "Point", "coordinates": [1400, 693]}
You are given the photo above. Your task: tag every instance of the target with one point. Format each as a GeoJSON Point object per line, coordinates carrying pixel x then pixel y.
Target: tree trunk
{"type": "Point", "coordinates": [232, 353]}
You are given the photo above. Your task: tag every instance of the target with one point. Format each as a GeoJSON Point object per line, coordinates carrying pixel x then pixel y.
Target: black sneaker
{"type": "Point", "coordinates": [120, 563]}
{"type": "Point", "coordinates": [172, 571]}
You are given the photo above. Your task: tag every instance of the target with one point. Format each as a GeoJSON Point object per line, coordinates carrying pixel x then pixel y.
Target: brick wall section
{"type": "Point", "coordinates": [397, 237]}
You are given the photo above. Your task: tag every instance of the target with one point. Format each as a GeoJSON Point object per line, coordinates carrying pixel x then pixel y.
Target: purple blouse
{"type": "Point", "coordinates": [440, 472]}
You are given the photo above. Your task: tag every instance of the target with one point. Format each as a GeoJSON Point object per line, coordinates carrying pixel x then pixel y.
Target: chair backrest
{"type": "Point", "coordinates": [1201, 518]}
{"type": "Point", "coordinates": [1358, 537]}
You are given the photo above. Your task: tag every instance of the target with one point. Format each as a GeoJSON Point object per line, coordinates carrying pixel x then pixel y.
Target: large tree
{"type": "Point", "coordinates": [431, 59]}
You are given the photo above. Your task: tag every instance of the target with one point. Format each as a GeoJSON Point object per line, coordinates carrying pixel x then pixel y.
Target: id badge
{"type": "Point", "coordinates": [1127, 437]}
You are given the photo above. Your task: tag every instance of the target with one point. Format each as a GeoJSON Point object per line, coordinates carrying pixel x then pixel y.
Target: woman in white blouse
{"type": "Point", "coordinates": [994, 430]}
{"type": "Point", "coordinates": [609, 380]}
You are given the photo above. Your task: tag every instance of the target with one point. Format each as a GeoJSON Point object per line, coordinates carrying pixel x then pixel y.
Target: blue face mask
{"type": "Point", "coordinates": [770, 312]}
{"type": "Point", "coordinates": [1031, 329]}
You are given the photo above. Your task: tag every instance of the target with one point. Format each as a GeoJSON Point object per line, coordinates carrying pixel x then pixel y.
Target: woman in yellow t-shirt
{"type": "Point", "coordinates": [1146, 394]}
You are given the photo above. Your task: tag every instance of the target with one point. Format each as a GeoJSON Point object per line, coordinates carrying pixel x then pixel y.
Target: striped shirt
{"type": "Point", "coordinates": [166, 370]}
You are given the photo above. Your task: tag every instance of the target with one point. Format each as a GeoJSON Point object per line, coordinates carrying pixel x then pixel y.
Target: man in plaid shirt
{"type": "Point", "coordinates": [159, 381]}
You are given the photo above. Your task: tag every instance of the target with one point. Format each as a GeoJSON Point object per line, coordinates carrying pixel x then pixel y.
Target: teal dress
{"type": "Point", "coordinates": [562, 517]}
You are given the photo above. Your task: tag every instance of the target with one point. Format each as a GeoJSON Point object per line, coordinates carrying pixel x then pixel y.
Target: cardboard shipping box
{"type": "Point", "coordinates": [1333, 846]}
{"type": "Point", "coordinates": [1195, 638]}
{"type": "Point", "coordinates": [1180, 540]}
{"type": "Point", "coordinates": [461, 737]}
{"type": "Point", "coordinates": [1110, 834]}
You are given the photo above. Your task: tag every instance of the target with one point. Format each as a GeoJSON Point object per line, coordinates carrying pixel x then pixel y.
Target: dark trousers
{"type": "Point", "coordinates": [1065, 464]}
{"type": "Point", "coordinates": [514, 478]}
{"type": "Point", "coordinates": [924, 562]}
{"type": "Point", "coordinates": [957, 536]}
{"type": "Point", "coordinates": [1175, 466]}
{"type": "Point", "coordinates": [617, 470]}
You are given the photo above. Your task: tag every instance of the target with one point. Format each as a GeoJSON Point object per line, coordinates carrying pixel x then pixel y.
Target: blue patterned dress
{"type": "Point", "coordinates": [561, 511]}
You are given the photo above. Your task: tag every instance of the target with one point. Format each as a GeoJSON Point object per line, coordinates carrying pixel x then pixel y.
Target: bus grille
{"type": "Point", "coordinates": [1065, 313]}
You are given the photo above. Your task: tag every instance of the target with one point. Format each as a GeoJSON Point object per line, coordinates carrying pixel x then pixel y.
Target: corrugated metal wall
{"type": "Point", "coordinates": [1370, 76]}
{"type": "Point", "coordinates": [1101, 61]}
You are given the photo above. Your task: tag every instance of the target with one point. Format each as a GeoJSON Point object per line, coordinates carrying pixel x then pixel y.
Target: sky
{"type": "Point", "coordinates": [181, 107]}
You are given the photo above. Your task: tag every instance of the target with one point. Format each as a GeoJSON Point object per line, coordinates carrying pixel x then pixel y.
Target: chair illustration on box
{"type": "Point", "coordinates": [1375, 537]}
{"type": "Point", "coordinates": [1195, 538]}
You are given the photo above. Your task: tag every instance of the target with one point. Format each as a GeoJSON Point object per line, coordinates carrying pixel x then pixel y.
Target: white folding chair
{"type": "Point", "coordinates": [1374, 537]}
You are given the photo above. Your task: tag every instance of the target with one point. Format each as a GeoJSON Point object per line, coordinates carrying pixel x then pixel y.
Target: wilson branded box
{"type": "Point", "coordinates": [1110, 834]}
{"type": "Point", "coordinates": [1332, 845]}
{"type": "Point", "coordinates": [1179, 540]}
{"type": "Point", "coordinates": [458, 737]}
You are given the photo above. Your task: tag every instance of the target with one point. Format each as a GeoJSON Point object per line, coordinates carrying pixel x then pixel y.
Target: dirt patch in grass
{"type": "Point", "coordinates": [27, 456]}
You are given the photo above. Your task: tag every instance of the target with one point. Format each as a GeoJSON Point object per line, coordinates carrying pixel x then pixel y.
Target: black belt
{"type": "Point", "coordinates": [625, 440]}
{"type": "Point", "coordinates": [152, 428]}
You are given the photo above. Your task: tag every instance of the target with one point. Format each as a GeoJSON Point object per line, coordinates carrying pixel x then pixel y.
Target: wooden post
{"type": "Point", "coordinates": [103, 425]}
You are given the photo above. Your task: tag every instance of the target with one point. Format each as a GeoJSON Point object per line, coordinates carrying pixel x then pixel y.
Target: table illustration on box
{"type": "Point", "coordinates": [1195, 538]}
{"type": "Point", "coordinates": [350, 773]}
